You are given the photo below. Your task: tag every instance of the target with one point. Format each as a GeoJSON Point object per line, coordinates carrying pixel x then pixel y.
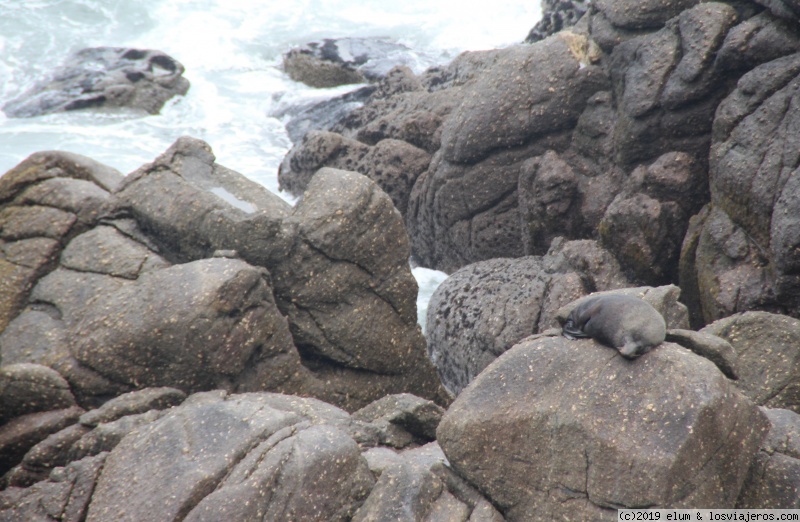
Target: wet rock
{"type": "Point", "coordinates": [590, 457]}
{"type": "Point", "coordinates": [105, 77]}
{"type": "Point", "coordinates": [340, 61]}
{"type": "Point", "coordinates": [768, 362]}
{"type": "Point", "coordinates": [320, 115]}
{"type": "Point", "coordinates": [556, 15]}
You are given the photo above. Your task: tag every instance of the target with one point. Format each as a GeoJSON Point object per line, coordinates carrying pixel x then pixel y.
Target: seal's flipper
{"type": "Point", "coordinates": [571, 331]}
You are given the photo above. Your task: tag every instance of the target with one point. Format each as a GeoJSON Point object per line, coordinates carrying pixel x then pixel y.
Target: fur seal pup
{"type": "Point", "coordinates": [626, 323]}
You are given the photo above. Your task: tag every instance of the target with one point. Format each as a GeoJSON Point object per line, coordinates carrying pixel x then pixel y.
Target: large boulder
{"type": "Point", "coordinates": [46, 200]}
{"type": "Point", "coordinates": [199, 278]}
{"type": "Point", "coordinates": [238, 457]}
{"type": "Point", "coordinates": [195, 326]}
{"type": "Point", "coordinates": [774, 477]}
{"type": "Point", "coordinates": [105, 77]}
{"type": "Point", "coordinates": [743, 253]}
{"type": "Point", "coordinates": [393, 164]}
{"type": "Point", "coordinates": [487, 307]}
{"type": "Point", "coordinates": [464, 207]}
{"type": "Point", "coordinates": [768, 363]}
{"type": "Point", "coordinates": [558, 429]}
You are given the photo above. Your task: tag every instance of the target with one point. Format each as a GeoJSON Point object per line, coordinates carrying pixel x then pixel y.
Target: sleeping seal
{"type": "Point", "coordinates": [626, 323]}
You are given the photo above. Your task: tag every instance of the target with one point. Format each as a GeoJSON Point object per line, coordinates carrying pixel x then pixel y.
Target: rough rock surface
{"type": "Point", "coordinates": [632, 122]}
{"type": "Point", "coordinates": [252, 456]}
{"type": "Point", "coordinates": [556, 15]}
{"type": "Point", "coordinates": [47, 185]}
{"type": "Point", "coordinates": [774, 477]}
{"type": "Point", "coordinates": [28, 388]}
{"type": "Point", "coordinates": [188, 276]}
{"type": "Point", "coordinates": [393, 164]}
{"type": "Point", "coordinates": [105, 77]}
{"type": "Point", "coordinates": [665, 430]}
{"type": "Point", "coordinates": [768, 361]}
{"type": "Point", "coordinates": [485, 308]}
{"type": "Point", "coordinates": [339, 61]}
{"type": "Point", "coordinates": [300, 118]}
{"type": "Point", "coordinates": [744, 252]}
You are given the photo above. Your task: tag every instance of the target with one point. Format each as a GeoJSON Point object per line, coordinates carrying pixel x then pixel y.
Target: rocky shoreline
{"type": "Point", "coordinates": [181, 344]}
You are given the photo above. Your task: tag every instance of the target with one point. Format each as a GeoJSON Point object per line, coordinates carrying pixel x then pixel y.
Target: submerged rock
{"type": "Point", "coordinates": [104, 78]}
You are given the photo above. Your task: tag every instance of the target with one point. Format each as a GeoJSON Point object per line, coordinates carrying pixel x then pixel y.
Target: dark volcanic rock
{"type": "Point", "coordinates": [65, 496]}
{"type": "Point", "coordinates": [751, 237]}
{"type": "Point", "coordinates": [194, 326]}
{"type": "Point", "coordinates": [788, 9]}
{"type": "Point", "coordinates": [340, 61]}
{"type": "Point", "coordinates": [252, 455]}
{"type": "Point", "coordinates": [192, 279]}
{"type": "Point", "coordinates": [24, 432]}
{"type": "Point", "coordinates": [393, 164]}
{"type": "Point", "coordinates": [105, 77]}
{"type": "Point", "coordinates": [485, 308]}
{"type": "Point", "coordinates": [557, 15]}
{"type": "Point", "coordinates": [601, 432]}
{"type": "Point", "coordinates": [46, 200]}
{"type": "Point", "coordinates": [768, 362]}
{"type": "Point", "coordinates": [28, 388]}
{"type": "Point", "coordinates": [299, 119]}
{"type": "Point", "coordinates": [249, 456]}
{"type": "Point", "coordinates": [774, 477]}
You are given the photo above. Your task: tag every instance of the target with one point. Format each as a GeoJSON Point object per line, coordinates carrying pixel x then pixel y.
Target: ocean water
{"type": "Point", "coordinates": [232, 52]}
